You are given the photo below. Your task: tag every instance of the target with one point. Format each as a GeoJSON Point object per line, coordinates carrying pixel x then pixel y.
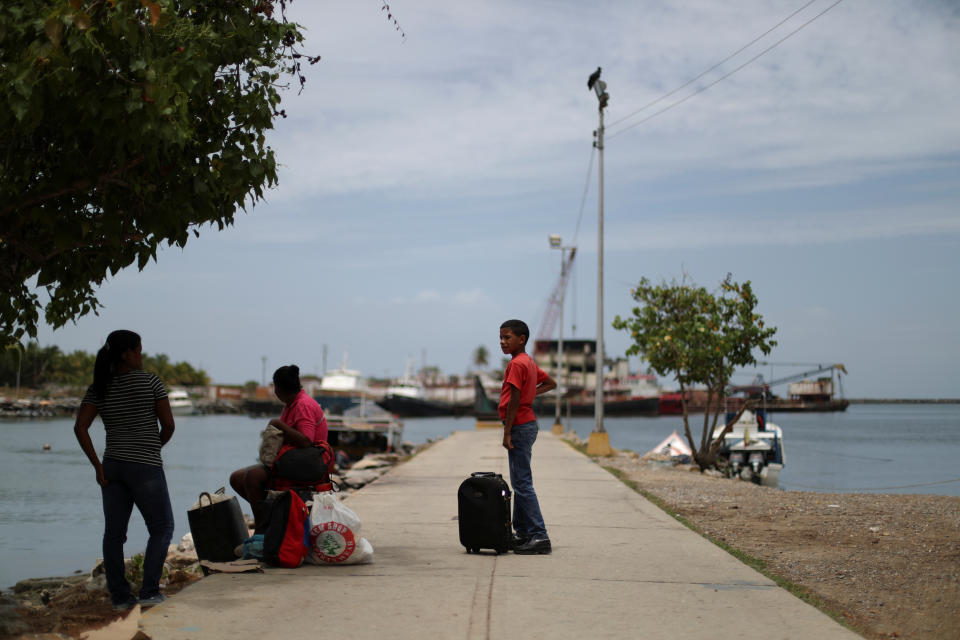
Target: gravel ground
{"type": "Point", "coordinates": [887, 564]}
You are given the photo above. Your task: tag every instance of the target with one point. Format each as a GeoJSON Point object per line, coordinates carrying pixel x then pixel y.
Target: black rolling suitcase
{"type": "Point", "coordinates": [483, 507]}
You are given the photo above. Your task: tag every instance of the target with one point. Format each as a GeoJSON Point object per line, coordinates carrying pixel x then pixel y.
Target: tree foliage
{"type": "Point", "coordinates": [125, 125]}
{"type": "Point", "coordinates": [481, 357]}
{"type": "Point", "coordinates": [700, 338]}
{"type": "Point", "coordinates": [42, 366]}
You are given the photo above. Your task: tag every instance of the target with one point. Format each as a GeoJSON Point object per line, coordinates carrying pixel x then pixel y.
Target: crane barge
{"type": "Point", "coordinates": [803, 394]}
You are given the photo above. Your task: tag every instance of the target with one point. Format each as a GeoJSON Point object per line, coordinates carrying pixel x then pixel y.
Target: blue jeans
{"type": "Point", "coordinates": [527, 519]}
{"type": "Point", "coordinates": [144, 485]}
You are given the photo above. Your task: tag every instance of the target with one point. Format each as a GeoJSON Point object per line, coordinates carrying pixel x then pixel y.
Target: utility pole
{"type": "Point", "coordinates": [599, 441]}
{"type": "Point", "coordinates": [263, 371]}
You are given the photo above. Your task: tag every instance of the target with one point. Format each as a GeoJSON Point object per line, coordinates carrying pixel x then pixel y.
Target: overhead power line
{"type": "Point", "coordinates": [725, 60]}
{"type": "Point", "coordinates": [723, 77]}
{"type": "Point", "coordinates": [583, 198]}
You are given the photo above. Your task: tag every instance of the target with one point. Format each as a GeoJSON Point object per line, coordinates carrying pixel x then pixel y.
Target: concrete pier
{"type": "Point", "coordinates": [620, 568]}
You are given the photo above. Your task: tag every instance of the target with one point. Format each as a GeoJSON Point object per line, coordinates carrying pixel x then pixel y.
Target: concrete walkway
{"type": "Point", "coordinates": [620, 568]}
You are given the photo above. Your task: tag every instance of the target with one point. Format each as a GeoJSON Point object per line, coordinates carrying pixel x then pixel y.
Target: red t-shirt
{"type": "Point", "coordinates": [524, 374]}
{"type": "Point", "coordinates": [306, 416]}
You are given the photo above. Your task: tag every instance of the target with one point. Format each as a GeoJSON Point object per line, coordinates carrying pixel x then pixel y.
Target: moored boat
{"type": "Point", "coordinates": [753, 448]}
{"type": "Point", "coordinates": [341, 389]}
{"type": "Point", "coordinates": [407, 398]}
{"type": "Point", "coordinates": [358, 432]}
{"type": "Point", "coordinates": [634, 395]}
{"type": "Point", "coordinates": [180, 402]}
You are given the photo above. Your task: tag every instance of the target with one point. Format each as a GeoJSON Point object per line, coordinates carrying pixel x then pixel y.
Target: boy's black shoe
{"type": "Point", "coordinates": [516, 540]}
{"type": "Point", "coordinates": [533, 546]}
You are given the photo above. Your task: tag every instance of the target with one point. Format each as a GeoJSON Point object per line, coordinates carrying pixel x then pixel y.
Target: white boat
{"type": "Point", "coordinates": [754, 449]}
{"type": "Point", "coordinates": [406, 387]}
{"type": "Point", "coordinates": [180, 402]}
{"type": "Point", "coordinates": [341, 389]}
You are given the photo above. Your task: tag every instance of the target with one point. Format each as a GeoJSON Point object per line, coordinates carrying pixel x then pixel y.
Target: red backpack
{"type": "Point", "coordinates": [286, 535]}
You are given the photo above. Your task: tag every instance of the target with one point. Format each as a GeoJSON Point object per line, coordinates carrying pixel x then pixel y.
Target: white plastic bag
{"type": "Point", "coordinates": [335, 533]}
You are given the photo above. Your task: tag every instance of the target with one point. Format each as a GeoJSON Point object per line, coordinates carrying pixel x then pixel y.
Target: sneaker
{"type": "Point", "coordinates": [152, 600]}
{"type": "Point", "coordinates": [125, 605]}
{"type": "Point", "coordinates": [533, 546]}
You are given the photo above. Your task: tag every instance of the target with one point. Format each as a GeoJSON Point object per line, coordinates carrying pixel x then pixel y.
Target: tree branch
{"type": "Point", "coordinates": [76, 188]}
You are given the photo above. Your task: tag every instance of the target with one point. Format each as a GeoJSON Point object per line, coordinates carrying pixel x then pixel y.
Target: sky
{"type": "Point", "coordinates": [422, 173]}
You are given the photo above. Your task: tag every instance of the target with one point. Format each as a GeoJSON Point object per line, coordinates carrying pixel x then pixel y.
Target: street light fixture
{"type": "Point", "coordinates": [599, 441]}
{"type": "Point", "coordinates": [556, 242]}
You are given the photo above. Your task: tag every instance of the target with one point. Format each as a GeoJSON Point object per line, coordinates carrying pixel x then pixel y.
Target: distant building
{"type": "Point", "coordinates": [217, 392]}
{"type": "Point", "coordinates": [579, 361]}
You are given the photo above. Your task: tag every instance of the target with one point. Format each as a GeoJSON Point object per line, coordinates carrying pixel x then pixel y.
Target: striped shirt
{"type": "Point", "coordinates": [129, 415]}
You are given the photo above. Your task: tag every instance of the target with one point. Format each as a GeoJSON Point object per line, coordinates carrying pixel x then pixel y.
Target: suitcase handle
{"type": "Point", "coordinates": [484, 474]}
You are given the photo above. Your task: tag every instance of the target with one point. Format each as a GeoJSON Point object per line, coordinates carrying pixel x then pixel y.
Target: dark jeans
{"type": "Point", "coordinates": [527, 520]}
{"type": "Point", "coordinates": [144, 485]}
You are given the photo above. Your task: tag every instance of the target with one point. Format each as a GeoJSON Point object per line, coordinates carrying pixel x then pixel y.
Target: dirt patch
{"type": "Point", "coordinates": [889, 565]}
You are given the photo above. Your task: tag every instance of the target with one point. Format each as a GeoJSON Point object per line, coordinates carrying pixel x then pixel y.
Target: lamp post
{"type": "Point", "coordinates": [599, 442]}
{"type": "Point", "coordinates": [557, 243]}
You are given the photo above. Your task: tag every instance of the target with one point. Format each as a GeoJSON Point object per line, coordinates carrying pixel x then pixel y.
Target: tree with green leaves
{"type": "Point", "coordinates": [125, 126]}
{"type": "Point", "coordinates": [699, 337]}
{"type": "Point", "coordinates": [38, 366]}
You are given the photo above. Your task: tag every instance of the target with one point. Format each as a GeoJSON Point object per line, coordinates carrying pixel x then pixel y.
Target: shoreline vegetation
{"type": "Point", "coordinates": [884, 565]}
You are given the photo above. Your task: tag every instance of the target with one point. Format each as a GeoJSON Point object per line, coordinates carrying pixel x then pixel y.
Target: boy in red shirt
{"type": "Point", "coordinates": [522, 381]}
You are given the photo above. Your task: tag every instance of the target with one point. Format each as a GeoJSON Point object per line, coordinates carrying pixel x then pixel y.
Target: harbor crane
{"type": "Point", "coordinates": [549, 322]}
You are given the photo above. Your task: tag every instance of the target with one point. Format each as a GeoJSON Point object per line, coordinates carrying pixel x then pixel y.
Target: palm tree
{"type": "Point", "coordinates": [480, 356]}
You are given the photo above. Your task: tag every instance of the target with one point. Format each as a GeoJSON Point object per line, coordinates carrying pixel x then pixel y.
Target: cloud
{"type": "Point", "coordinates": [706, 229]}
{"type": "Point", "coordinates": [472, 298]}
{"type": "Point", "coordinates": [468, 107]}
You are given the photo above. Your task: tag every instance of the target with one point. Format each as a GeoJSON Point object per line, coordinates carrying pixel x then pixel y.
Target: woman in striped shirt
{"type": "Point", "coordinates": [130, 402]}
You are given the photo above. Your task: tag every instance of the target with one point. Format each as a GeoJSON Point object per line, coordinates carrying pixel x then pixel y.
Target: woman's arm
{"type": "Point", "coordinates": [81, 429]}
{"type": "Point", "coordinates": [291, 435]}
{"type": "Point", "coordinates": [165, 416]}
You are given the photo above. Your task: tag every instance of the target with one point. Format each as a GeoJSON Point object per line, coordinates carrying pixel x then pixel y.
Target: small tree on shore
{"type": "Point", "coordinates": [698, 337]}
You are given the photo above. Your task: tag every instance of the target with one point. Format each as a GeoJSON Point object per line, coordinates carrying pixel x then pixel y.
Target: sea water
{"type": "Point", "coordinates": [51, 518]}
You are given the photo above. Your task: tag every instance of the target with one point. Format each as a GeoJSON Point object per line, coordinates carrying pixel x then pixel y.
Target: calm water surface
{"type": "Point", "coordinates": [51, 517]}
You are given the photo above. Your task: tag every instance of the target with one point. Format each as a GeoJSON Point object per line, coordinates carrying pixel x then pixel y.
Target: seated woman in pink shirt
{"type": "Point", "coordinates": [302, 423]}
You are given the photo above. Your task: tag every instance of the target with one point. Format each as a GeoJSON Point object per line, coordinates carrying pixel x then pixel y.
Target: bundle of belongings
{"type": "Point", "coordinates": [325, 532]}
{"type": "Point", "coordinates": [303, 519]}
